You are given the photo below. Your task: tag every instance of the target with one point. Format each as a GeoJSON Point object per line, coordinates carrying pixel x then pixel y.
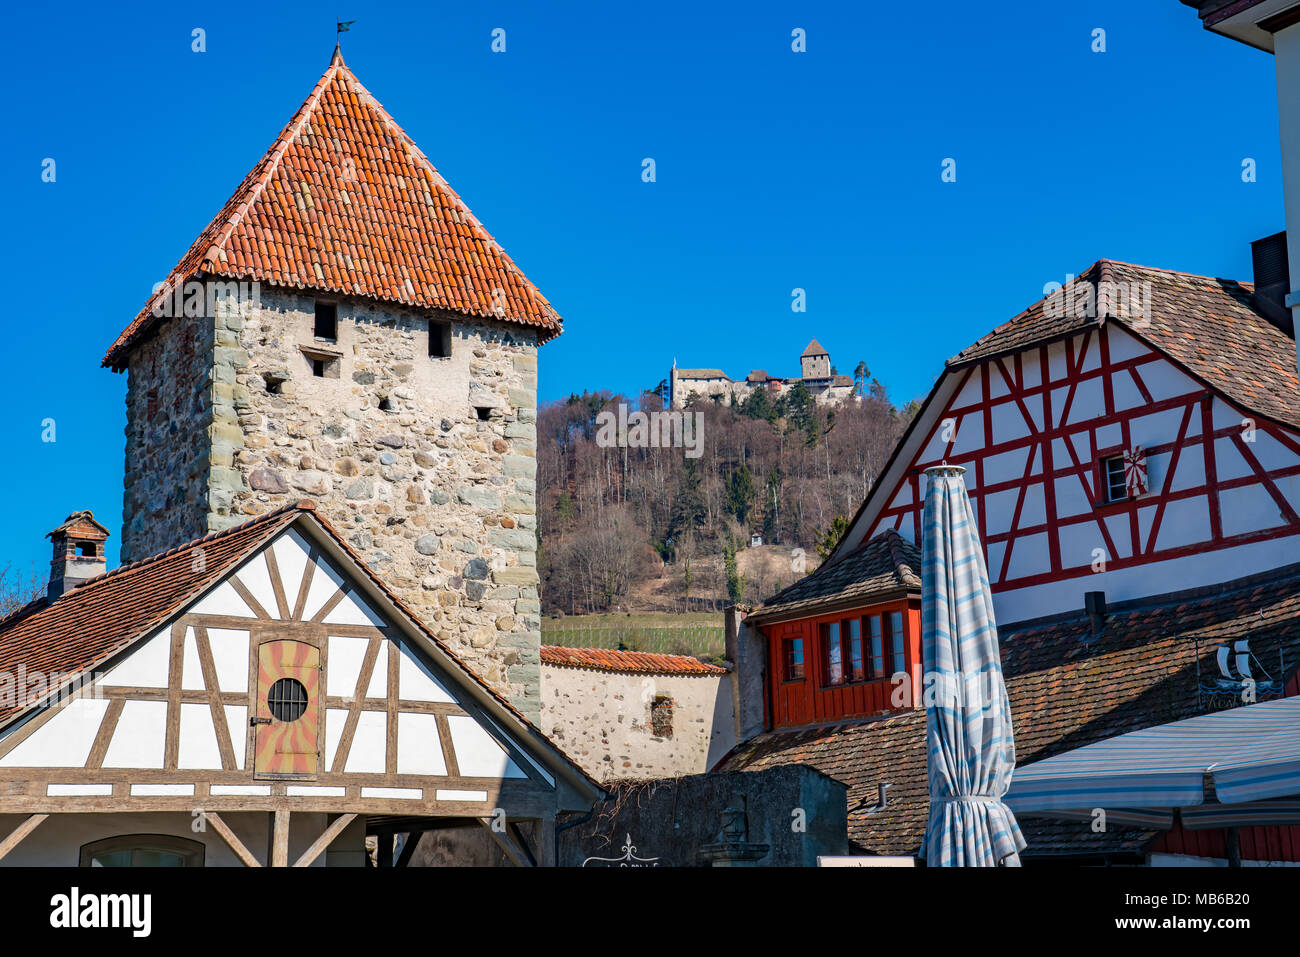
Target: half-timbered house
{"type": "Point", "coordinates": [257, 696]}
{"type": "Point", "coordinates": [1132, 452]}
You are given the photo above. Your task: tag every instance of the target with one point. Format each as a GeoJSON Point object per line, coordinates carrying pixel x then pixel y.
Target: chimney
{"type": "Point", "coordinates": [1273, 280]}
{"type": "Point", "coordinates": [1094, 603]}
{"type": "Point", "coordinates": [78, 553]}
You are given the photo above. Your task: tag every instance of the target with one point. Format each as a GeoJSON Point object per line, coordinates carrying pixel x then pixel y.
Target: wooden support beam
{"type": "Point", "coordinates": [408, 849]}
{"type": "Point", "coordinates": [280, 840]}
{"type": "Point", "coordinates": [21, 831]}
{"type": "Point", "coordinates": [227, 835]}
{"type": "Point", "coordinates": [325, 840]}
{"type": "Point", "coordinates": [506, 843]}
{"type": "Point", "coordinates": [384, 855]}
{"type": "Point", "coordinates": [517, 833]}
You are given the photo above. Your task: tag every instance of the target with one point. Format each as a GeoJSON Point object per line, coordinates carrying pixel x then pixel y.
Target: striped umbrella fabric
{"type": "Point", "coordinates": [970, 749]}
{"type": "Point", "coordinates": [1251, 753]}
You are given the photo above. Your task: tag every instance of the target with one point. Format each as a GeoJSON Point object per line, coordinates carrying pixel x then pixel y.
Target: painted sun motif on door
{"type": "Point", "coordinates": [286, 714]}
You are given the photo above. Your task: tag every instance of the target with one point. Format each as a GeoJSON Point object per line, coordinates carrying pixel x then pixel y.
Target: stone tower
{"type": "Point", "coordinates": [815, 363]}
{"type": "Point", "coordinates": [346, 330]}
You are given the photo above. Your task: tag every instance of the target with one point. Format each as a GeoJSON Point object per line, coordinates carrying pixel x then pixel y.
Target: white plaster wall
{"type": "Point", "coordinates": [602, 721]}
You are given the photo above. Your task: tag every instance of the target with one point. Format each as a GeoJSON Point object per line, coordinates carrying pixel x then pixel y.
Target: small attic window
{"type": "Point", "coordinates": [439, 339]}
{"type": "Point", "coordinates": [327, 320]}
{"type": "Point", "coordinates": [325, 368]}
{"type": "Point", "coordinates": [1114, 483]}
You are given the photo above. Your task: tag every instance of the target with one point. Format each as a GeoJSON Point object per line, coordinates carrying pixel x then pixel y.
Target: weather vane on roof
{"type": "Point", "coordinates": [341, 27]}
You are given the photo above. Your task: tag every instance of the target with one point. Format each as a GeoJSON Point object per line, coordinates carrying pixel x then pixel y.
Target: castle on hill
{"type": "Point", "coordinates": [816, 375]}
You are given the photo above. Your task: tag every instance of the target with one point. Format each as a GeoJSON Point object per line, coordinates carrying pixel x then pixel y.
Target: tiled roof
{"type": "Point", "coordinates": [93, 621]}
{"type": "Point", "coordinates": [81, 524]}
{"type": "Point", "coordinates": [1210, 326]}
{"type": "Point", "coordinates": [87, 625]}
{"type": "Point", "coordinates": [1141, 672]}
{"type": "Point", "coordinates": [701, 374]}
{"type": "Point", "coordinates": [344, 202]}
{"type": "Point", "coordinates": [878, 569]}
{"type": "Point", "coordinates": [814, 349]}
{"type": "Point", "coordinates": [632, 662]}
{"type": "Point", "coordinates": [758, 375]}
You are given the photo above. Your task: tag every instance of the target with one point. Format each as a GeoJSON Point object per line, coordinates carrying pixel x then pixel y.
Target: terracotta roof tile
{"type": "Point", "coordinates": [93, 621]}
{"type": "Point", "coordinates": [1210, 326]}
{"type": "Point", "coordinates": [1065, 693]}
{"type": "Point", "coordinates": [880, 568]}
{"type": "Point", "coordinates": [344, 202]}
{"type": "Point", "coordinates": [632, 662]}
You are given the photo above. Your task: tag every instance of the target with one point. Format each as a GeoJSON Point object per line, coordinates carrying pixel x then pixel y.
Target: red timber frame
{"type": "Point", "coordinates": [1087, 358]}
{"type": "Point", "coordinates": [812, 699]}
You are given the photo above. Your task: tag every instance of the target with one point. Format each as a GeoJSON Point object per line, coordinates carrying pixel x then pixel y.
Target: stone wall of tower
{"type": "Point", "coordinates": [426, 465]}
{"type": "Point", "coordinates": [168, 407]}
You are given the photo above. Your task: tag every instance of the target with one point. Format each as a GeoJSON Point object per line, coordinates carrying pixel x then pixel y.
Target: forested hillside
{"type": "Point", "coordinates": [636, 529]}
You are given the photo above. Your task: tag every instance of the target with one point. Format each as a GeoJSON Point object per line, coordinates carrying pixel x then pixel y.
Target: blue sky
{"type": "Point", "coordinates": [775, 170]}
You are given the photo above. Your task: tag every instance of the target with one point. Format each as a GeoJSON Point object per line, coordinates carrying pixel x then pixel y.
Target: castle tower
{"type": "Point", "coordinates": [815, 362]}
{"type": "Point", "coordinates": [346, 330]}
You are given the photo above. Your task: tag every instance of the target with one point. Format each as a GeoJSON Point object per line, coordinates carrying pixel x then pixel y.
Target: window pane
{"type": "Point", "coordinates": [111, 859]}
{"type": "Point", "coordinates": [794, 658]}
{"type": "Point", "coordinates": [834, 661]}
{"type": "Point", "coordinates": [856, 668]}
{"type": "Point", "coordinates": [1115, 487]}
{"type": "Point", "coordinates": [877, 648]}
{"type": "Point", "coordinates": [899, 660]}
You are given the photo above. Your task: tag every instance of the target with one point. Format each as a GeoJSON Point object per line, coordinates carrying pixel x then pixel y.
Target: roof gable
{"type": "Point", "coordinates": [1208, 325]}
{"type": "Point", "coordinates": [344, 202]}
{"type": "Point", "coordinates": [287, 567]}
{"type": "Point", "coordinates": [1207, 328]}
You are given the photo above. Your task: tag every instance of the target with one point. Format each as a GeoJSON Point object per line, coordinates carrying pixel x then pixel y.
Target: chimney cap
{"type": "Point", "coordinates": [80, 524]}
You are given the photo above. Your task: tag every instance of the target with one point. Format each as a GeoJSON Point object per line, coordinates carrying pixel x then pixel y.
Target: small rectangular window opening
{"type": "Point", "coordinates": [1116, 489]}
{"type": "Point", "coordinates": [439, 339]}
{"type": "Point", "coordinates": [325, 368]}
{"type": "Point", "coordinates": [327, 320]}
{"type": "Point", "coordinates": [484, 412]}
{"type": "Point", "coordinates": [661, 716]}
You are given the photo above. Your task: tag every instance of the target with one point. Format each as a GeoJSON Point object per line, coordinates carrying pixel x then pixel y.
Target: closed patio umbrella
{"type": "Point", "coordinates": [970, 750]}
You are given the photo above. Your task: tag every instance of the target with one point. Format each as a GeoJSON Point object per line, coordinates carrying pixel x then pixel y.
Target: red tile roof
{"type": "Point", "coordinates": [632, 662]}
{"type": "Point", "coordinates": [1065, 693]}
{"type": "Point", "coordinates": [344, 202]}
{"type": "Point", "coordinates": [1210, 326]}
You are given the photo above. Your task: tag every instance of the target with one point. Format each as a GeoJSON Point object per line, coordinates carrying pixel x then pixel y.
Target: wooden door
{"type": "Point", "coordinates": [286, 714]}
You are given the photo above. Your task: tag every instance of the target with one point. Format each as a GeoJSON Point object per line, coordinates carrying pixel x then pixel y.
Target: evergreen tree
{"type": "Point", "coordinates": [689, 511]}
{"type": "Point", "coordinates": [740, 493]}
{"type": "Point", "coordinates": [827, 540]}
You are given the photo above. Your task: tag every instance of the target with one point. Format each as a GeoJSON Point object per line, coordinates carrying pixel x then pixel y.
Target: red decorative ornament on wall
{"type": "Point", "coordinates": [1135, 471]}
